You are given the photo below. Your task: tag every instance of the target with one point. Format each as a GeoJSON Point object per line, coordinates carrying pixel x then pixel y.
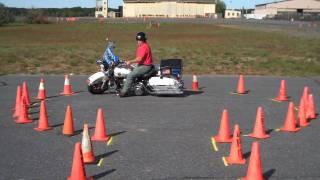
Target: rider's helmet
{"type": "Point", "coordinates": [141, 36]}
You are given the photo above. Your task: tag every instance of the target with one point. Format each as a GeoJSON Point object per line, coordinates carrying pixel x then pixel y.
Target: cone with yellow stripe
{"type": "Point", "coordinates": [42, 92]}
{"type": "Point", "coordinates": [67, 89]}
{"type": "Point", "coordinates": [86, 146]}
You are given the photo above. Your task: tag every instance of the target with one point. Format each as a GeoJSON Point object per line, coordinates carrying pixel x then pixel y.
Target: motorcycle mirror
{"type": "Point", "coordinates": [99, 62]}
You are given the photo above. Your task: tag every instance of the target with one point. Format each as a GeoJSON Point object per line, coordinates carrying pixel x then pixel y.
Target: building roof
{"type": "Point", "coordinates": [272, 2]}
{"type": "Point", "coordinates": [275, 2]}
{"type": "Point", "coordinates": [179, 1]}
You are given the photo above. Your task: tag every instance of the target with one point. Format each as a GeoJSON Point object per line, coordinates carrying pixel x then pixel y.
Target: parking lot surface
{"type": "Point", "coordinates": [158, 137]}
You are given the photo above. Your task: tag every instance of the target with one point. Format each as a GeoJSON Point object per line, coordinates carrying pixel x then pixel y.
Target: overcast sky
{"type": "Point", "coordinates": [112, 3]}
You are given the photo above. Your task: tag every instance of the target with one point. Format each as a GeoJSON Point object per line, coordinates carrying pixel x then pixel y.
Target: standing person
{"type": "Point", "coordinates": [144, 60]}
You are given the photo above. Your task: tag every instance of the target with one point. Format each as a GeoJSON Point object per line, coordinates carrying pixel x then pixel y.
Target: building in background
{"type": "Point", "coordinates": [288, 8]}
{"type": "Point", "coordinates": [229, 13]}
{"type": "Point", "coordinates": [101, 8]}
{"type": "Point", "coordinates": [169, 8]}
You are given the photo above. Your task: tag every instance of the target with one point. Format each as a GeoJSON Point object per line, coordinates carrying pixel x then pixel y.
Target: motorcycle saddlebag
{"type": "Point", "coordinates": [171, 67]}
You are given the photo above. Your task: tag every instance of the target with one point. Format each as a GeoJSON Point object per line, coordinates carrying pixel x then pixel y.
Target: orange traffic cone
{"type": "Point", "coordinates": [43, 123]}
{"type": "Point", "coordinates": [305, 97]}
{"type": "Point", "coordinates": [42, 92]}
{"type": "Point", "coordinates": [67, 89]}
{"type": "Point", "coordinates": [254, 171]}
{"type": "Point", "coordinates": [302, 118]}
{"type": "Point", "coordinates": [241, 86]}
{"type": "Point", "coordinates": [87, 150]}
{"type": "Point", "coordinates": [25, 93]}
{"type": "Point", "coordinates": [311, 111]}
{"type": "Point", "coordinates": [290, 122]}
{"type": "Point", "coordinates": [78, 171]}
{"type": "Point", "coordinates": [224, 132]}
{"type": "Point", "coordinates": [282, 95]}
{"type": "Point", "coordinates": [23, 116]}
{"type": "Point", "coordinates": [68, 128]}
{"type": "Point", "coordinates": [195, 84]}
{"type": "Point", "coordinates": [235, 156]}
{"type": "Point", "coordinates": [18, 102]}
{"type": "Point", "coordinates": [259, 130]}
{"type": "Point", "coordinates": [100, 130]}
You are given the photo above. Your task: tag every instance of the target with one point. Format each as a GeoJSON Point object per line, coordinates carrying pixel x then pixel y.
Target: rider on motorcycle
{"type": "Point", "coordinates": [144, 60]}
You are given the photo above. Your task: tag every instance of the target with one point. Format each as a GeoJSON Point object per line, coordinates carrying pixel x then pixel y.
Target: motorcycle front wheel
{"type": "Point", "coordinates": [96, 88]}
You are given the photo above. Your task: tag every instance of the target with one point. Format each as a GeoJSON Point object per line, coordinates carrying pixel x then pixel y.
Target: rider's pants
{"type": "Point", "coordinates": [137, 72]}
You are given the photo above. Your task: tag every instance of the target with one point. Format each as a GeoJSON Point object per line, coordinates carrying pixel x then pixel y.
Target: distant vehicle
{"type": "Point", "coordinates": [255, 16]}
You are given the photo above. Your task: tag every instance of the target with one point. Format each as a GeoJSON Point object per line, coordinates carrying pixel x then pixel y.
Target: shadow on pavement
{"type": "Point", "coordinates": [246, 155]}
{"type": "Point", "coordinates": [35, 112]}
{"type": "Point", "coordinates": [54, 96]}
{"type": "Point", "coordinates": [60, 95]}
{"type": "Point", "coordinates": [190, 92]}
{"type": "Point", "coordinates": [77, 132]}
{"type": "Point", "coordinates": [57, 125]}
{"type": "Point", "coordinates": [186, 93]}
{"type": "Point", "coordinates": [105, 155]}
{"type": "Point", "coordinates": [2, 83]}
{"type": "Point", "coordinates": [269, 131]}
{"type": "Point", "coordinates": [267, 175]}
{"type": "Point", "coordinates": [101, 175]}
{"type": "Point", "coordinates": [117, 133]}
{"type": "Point", "coordinates": [34, 118]}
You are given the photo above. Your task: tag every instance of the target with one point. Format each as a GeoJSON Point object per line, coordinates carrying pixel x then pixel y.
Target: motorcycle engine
{"type": "Point", "coordinates": [139, 89]}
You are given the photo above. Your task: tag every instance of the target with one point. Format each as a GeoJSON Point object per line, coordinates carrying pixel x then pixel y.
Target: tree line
{"type": "Point", "coordinates": [40, 15]}
{"type": "Point", "coordinates": [55, 12]}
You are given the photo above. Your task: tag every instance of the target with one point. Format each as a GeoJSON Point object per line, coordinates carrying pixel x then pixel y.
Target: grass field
{"type": "Point", "coordinates": [205, 49]}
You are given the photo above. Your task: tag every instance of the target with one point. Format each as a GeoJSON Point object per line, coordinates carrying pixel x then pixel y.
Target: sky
{"type": "Point", "coordinates": [231, 4]}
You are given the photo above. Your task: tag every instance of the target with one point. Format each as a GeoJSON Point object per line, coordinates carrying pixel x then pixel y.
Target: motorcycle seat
{"type": "Point", "coordinates": [150, 73]}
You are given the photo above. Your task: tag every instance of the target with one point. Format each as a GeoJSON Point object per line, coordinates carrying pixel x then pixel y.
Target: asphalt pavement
{"type": "Point", "coordinates": [158, 137]}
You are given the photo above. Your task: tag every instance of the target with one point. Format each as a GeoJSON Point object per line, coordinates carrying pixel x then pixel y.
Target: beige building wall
{"type": "Point", "coordinates": [232, 14]}
{"type": "Point", "coordinates": [290, 5]}
{"type": "Point", "coordinates": [167, 9]}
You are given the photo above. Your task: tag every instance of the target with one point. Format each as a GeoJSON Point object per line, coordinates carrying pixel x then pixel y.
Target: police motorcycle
{"type": "Point", "coordinates": [163, 79]}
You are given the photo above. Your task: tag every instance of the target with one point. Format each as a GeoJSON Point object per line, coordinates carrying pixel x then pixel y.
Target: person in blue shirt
{"type": "Point", "coordinates": [110, 60]}
{"type": "Point", "coordinates": [109, 57]}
